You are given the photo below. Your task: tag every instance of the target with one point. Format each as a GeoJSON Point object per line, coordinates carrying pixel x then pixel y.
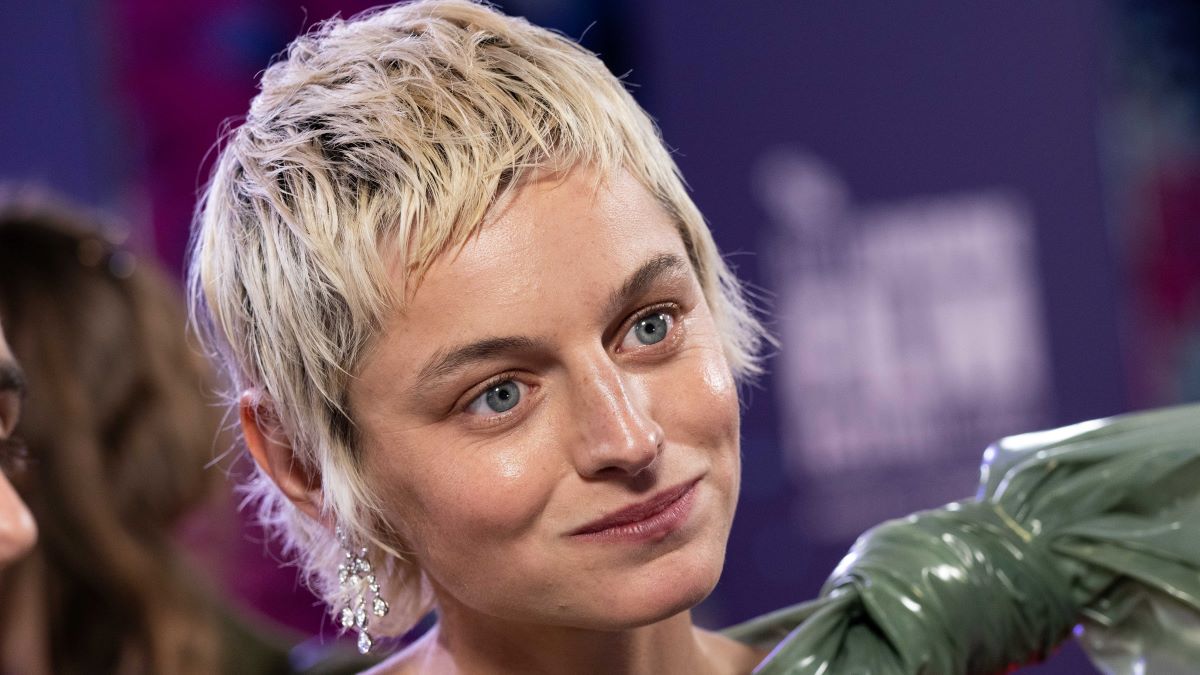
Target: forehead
{"type": "Point", "coordinates": [561, 241]}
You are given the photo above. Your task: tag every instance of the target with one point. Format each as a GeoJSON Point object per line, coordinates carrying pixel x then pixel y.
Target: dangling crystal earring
{"type": "Point", "coordinates": [352, 573]}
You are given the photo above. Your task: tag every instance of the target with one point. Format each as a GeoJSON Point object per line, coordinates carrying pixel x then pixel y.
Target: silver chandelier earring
{"type": "Point", "coordinates": [354, 573]}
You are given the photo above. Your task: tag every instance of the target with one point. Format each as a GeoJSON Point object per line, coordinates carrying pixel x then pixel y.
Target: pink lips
{"type": "Point", "coordinates": [651, 519]}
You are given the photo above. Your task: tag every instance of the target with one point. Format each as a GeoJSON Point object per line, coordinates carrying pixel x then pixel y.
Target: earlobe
{"type": "Point", "coordinates": [272, 450]}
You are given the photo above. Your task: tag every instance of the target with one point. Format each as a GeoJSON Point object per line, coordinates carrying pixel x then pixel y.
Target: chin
{"type": "Point", "coordinates": [674, 584]}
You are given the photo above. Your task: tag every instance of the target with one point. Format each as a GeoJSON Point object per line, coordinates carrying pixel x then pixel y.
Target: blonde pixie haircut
{"type": "Point", "coordinates": [374, 145]}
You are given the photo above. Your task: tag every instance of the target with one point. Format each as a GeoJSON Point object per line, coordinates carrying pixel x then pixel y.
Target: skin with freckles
{"type": "Point", "coordinates": [17, 529]}
{"type": "Point", "coordinates": [558, 368]}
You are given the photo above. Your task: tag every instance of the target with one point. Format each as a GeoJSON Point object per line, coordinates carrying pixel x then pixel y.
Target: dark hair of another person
{"type": "Point", "coordinates": [119, 432]}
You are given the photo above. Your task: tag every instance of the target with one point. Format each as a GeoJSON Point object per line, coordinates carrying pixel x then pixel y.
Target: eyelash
{"type": "Point", "coordinates": [671, 309]}
{"type": "Point", "coordinates": [482, 390]}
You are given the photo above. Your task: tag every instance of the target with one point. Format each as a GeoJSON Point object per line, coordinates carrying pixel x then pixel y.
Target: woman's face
{"type": "Point", "coordinates": [17, 529]}
{"type": "Point", "coordinates": [550, 421]}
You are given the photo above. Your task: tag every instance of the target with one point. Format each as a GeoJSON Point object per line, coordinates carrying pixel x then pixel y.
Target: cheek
{"type": "Point", "coordinates": [699, 409]}
{"type": "Point", "coordinates": [470, 497]}
{"type": "Point", "coordinates": [697, 400]}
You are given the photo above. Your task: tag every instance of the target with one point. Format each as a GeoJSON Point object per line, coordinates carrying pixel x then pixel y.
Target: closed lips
{"type": "Point", "coordinates": [640, 511]}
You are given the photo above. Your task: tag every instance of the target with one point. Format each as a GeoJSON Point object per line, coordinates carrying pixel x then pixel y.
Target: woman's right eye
{"type": "Point", "coordinates": [498, 398]}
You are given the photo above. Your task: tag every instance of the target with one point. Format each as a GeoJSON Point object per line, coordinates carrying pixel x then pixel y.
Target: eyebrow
{"type": "Point", "coordinates": [646, 276]}
{"type": "Point", "coordinates": [448, 361]}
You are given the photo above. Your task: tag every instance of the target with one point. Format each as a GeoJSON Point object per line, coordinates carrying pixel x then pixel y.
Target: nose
{"type": "Point", "coordinates": [618, 436]}
{"type": "Point", "coordinates": [17, 529]}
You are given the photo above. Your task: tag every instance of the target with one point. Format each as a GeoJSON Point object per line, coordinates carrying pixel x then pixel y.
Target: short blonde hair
{"type": "Point", "coordinates": [379, 141]}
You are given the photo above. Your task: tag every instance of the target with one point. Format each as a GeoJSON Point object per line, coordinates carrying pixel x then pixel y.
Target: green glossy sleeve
{"type": "Point", "coordinates": [1092, 528]}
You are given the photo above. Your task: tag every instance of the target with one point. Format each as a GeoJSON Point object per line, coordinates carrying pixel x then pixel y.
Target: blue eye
{"type": "Point", "coordinates": [498, 399]}
{"type": "Point", "coordinates": [649, 330]}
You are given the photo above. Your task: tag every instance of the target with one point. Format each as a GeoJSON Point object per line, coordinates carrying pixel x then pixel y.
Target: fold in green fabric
{"type": "Point", "coordinates": [1094, 525]}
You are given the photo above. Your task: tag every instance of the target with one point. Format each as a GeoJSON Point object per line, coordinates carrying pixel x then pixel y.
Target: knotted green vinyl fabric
{"type": "Point", "coordinates": [1095, 525]}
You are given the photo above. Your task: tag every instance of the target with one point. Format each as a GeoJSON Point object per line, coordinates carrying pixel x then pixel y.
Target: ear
{"type": "Point", "coordinates": [272, 451]}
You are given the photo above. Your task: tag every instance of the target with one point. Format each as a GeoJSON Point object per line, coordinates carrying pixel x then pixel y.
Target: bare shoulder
{"type": "Point", "coordinates": [393, 665]}
{"type": "Point", "coordinates": [403, 663]}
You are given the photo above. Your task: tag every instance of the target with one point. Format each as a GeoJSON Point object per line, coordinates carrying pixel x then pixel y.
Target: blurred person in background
{"type": "Point", "coordinates": [120, 436]}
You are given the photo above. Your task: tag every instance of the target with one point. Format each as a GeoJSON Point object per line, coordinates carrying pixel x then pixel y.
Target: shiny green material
{"type": "Point", "coordinates": [1095, 524]}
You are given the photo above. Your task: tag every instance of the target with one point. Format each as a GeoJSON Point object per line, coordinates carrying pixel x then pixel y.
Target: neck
{"type": "Point", "coordinates": [471, 644]}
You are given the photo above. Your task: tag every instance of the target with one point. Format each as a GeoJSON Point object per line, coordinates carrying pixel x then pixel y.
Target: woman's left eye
{"type": "Point", "coordinates": [498, 398]}
{"type": "Point", "coordinates": [648, 330]}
